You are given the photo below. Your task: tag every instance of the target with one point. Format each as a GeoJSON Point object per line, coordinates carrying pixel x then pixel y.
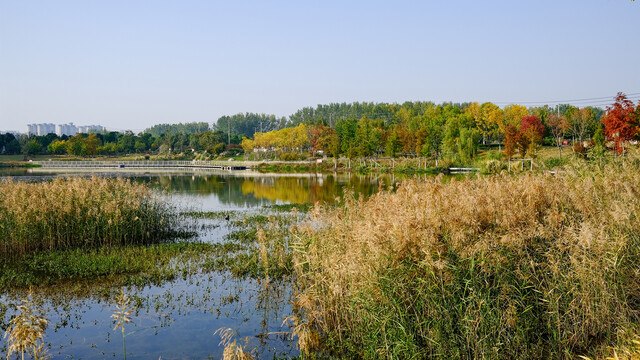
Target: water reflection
{"type": "Point", "coordinates": [239, 188]}
{"type": "Point", "coordinates": [255, 190]}
{"type": "Point", "coordinates": [177, 319]}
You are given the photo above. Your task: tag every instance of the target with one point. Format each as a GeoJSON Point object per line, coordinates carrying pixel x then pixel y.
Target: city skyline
{"type": "Point", "coordinates": [131, 65]}
{"type": "Point", "coordinates": [68, 129]}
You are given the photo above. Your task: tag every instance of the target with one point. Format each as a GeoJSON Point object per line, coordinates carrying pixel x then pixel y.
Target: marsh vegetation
{"type": "Point", "coordinates": [533, 266]}
{"type": "Point", "coordinates": [80, 213]}
{"type": "Point", "coordinates": [529, 265]}
{"type": "Point", "coordinates": [222, 261]}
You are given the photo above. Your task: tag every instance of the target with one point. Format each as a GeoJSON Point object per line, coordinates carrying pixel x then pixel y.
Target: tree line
{"type": "Point", "coordinates": [117, 143]}
{"type": "Point", "coordinates": [452, 130]}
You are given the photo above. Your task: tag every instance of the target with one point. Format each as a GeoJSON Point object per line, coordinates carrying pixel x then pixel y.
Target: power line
{"type": "Point", "coordinates": [587, 103]}
{"type": "Point", "coordinates": [599, 99]}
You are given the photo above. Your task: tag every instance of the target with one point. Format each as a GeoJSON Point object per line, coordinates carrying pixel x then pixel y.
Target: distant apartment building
{"type": "Point", "coordinates": [32, 129]}
{"type": "Point", "coordinates": [62, 129]}
{"type": "Point", "coordinates": [86, 129]}
{"type": "Point", "coordinates": [66, 129]}
{"type": "Point", "coordinates": [44, 129]}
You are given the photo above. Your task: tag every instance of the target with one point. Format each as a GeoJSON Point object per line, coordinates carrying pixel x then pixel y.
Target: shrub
{"type": "Point", "coordinates": [217, 149]}
{"type": "Point", "coordinates": [493, 166]}
{"type": "Point", "coordinates": [554, 162]}
{"type": "Point", "coordinates": [291, 156]}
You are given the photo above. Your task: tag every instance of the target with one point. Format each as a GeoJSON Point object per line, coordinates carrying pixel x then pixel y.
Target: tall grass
{"type": "Point", "coordinates": [79, 213]}
{"type": "Point", "coordinates": [497, 267]}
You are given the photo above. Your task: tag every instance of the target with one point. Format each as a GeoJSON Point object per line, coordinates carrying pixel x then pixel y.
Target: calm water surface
{"type": "Point", "coordinates": [177, 319]}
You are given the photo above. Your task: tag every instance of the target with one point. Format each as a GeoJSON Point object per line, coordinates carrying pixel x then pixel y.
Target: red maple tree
{"type": "Point", "coordinates": [619, 121]}
{"type": "Point", "coordinates": [531, 133]}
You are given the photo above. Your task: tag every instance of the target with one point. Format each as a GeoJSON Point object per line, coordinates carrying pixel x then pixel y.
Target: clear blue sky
{"type": "Point", "coordinates": [132, 64]}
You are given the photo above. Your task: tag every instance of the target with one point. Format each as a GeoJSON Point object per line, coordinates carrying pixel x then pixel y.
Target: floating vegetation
{"type": "Point", "coordinates": [243, 235]}
{"type": "Point", "coordinates": [258, 249]}
{"type": "Point", "coordinates": [116, 266]}
{"type": "Point", "coordinates": [219, 215]}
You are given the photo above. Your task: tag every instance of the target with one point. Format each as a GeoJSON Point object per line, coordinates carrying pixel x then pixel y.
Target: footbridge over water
{"type": "Point", "coordinates": [148, 164]}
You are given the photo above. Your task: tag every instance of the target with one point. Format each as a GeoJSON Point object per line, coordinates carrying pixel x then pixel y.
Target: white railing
{"type": "Point", "coordinates": [145, 164]}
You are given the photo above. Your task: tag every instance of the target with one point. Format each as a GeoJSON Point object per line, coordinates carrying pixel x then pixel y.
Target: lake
{"type": "Point", "coordinates": [177, 319]}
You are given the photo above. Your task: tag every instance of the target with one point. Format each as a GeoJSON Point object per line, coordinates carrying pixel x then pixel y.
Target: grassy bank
{"type": "Point", "coordinates": [497, 267]}
{"type": "Point", "coordinates": [80, 213]}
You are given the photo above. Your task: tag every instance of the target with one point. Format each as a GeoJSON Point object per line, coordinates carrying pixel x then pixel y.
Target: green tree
{"type": "Point", "coordinates": [392, 144]}
{"type": "Point", "coordinates": [468, 144]}
{"type": "Point", "coordinates": [57, 147]}
{"type": "Point", "coordinates": [451, 137]}
{"type": "Point", "coordinates": [93, 142]}
{"type": "Point", "coordinates": [76, 146]}
{"type": "Point", "coordinates": [334, 145]}
{"type": "Point", "coordinates": [31, 147]}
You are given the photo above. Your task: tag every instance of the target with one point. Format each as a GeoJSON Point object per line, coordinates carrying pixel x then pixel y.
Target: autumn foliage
{"type": "Point", "coordinates": [525, 138]}
{"type": "Point", "coordinates": [620, 121]}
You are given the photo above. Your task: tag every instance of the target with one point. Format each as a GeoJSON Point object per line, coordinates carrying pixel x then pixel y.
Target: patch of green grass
{"type": "Point", "coordinates": [259, 249]}
{"type": "Point", "coordinates": [292, 168]}
{"type": "Point", "coordinates": [218, 215]}
{"type": "Point", "coordinates": [304, 207]}
{"type": "Point", "coordinates": [255, 219]}
{"type": "Point", "coordinates": [244, 236]}
{"type": "Point", "coordinates": [15, 164]}
{"type": "Point", "coordinates": [250, 264]}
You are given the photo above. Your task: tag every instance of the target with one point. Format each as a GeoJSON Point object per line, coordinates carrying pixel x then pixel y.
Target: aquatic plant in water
{"type": "Point", "coordinates": [232, 349]}
{"type": "Point", "coordinates": [81, 213]}
{"type": "Point", "coordinates": [122, 315]}
{"type": "Point", "coordinates": [26, 331]}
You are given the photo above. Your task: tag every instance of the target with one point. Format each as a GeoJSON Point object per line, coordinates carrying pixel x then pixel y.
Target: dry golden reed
{"type": "Point", "coordinates": [121, 316]}
{"type": "Point", "coordinates": [232, 350]}
{"type": "Point", "coordinates": [26, 331]}
{"type": "Point", "coordinates": [79, 212]}
{"type": "Point", "coordinates": [533, 266]}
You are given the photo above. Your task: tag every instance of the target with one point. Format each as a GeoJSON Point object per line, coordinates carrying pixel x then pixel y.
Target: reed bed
{"type": "Point", "coordinates": [69, 213]}
{"type": "Point", "coordinates": [497, 267]}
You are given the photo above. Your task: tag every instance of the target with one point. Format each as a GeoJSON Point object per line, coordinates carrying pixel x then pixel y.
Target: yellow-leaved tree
{"type": "Point", "coordinates": [511, 116]}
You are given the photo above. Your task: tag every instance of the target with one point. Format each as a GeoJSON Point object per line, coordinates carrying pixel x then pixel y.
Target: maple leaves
{"type": "Point", "coordinates": [525, 138]}
{"type": "Point", "coordinates": [621, 122]}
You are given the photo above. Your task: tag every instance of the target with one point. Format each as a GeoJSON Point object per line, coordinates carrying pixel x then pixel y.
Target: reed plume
{"type": "Point", "coordinates": [121, 316]}
{"type": "Point", "coordinates": [26, 331]}
{"type": "Point", "coordinates": [232, 350]}
{"type": "Point", "coordinates": [80, 213]}
{"type": "Point", "coordinates": [530, 266]}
